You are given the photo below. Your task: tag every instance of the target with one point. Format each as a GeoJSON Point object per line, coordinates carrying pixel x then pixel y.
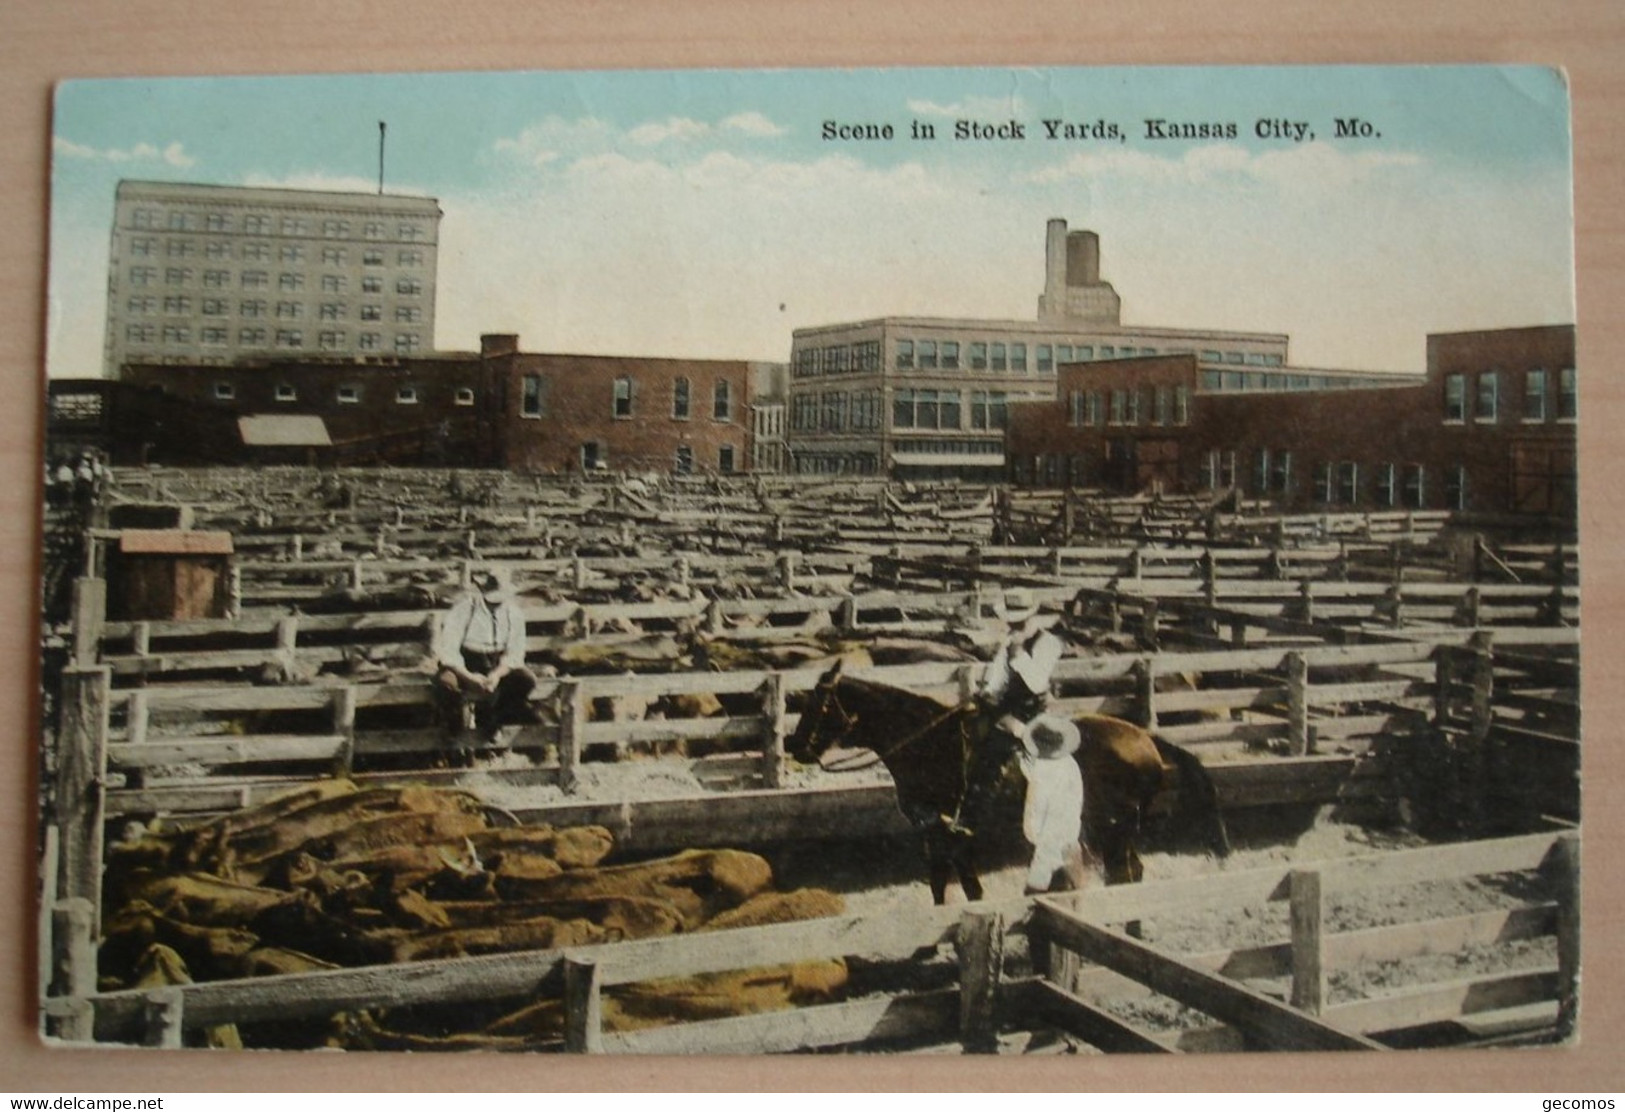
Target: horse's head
{"type": "Point", "coordinates": [823, 723]}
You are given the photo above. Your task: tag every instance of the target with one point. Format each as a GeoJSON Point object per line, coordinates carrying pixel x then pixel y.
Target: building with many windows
{"type": "Point", "coordinates": [1488, 429]}
{"type": "Point", "coordinates": [203, 274]}
{"type": "Point", "coordinates": [929, 397]}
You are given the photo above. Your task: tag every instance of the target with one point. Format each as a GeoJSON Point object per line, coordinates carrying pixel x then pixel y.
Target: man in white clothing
{"type": "Point", "coordinates": [480, 652]}
{"type": "Point", "coordinates": [1052, 817]}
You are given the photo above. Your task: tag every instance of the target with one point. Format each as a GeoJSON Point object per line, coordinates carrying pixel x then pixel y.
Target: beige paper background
{"type": "Point", "coordinates": [42, 41]}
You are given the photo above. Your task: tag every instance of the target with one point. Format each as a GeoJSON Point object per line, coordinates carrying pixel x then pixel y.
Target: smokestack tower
{"type": "Point", "coordinates": [1073, 291]}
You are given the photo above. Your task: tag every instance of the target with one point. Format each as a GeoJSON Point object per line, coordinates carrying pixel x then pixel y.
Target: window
{"type": "Point", "coordinates": [143, 275]}
{"type": "Point", "coordinates": [141, 333]}
{"type": "Point", "coordinates": [531, 396]}
{"type": "Point", "coordinates": [463, 396]}
{"type": "Point", "coordinates": [1075, 408]}
{"type": "Point", "coordinates": [224, 391]}
{"type": "Point", "coordinates": [409, 286]}
{"type": "Point", "coordinates": [1107, 351]}
{"type": "Point", "coordinates": [1018, 358]}
{"type": "Point", "coordinates": [372, 312]}
{"type": "Point", "coordinates": [409, 314]}
{"type": "Point", "coordinates": [332, 310]}
{"type": "Point", "coordinates": [257, 252]}
{"type": "Point", "coordinates": [998, 360]}
{"type": "Point", "coordinates": [1182, 405]}
{"type": "Point", "coordinates": [285, 392]}
{"type": "Point", "coordinates": [1281, 472]}
{"type": "Point", "coordinates": [142, 247]}
{"type": "Point", "coordinates": [1162, 407]}
{"type": "Point", "coordinates": [1046, 359]}
{"type": "Point", "coordinates": [406, 342]}
{"type": "Point", "coordinates": [1387, 484]}
{"type": "Point", "coordinates": [593, 456]}
{"type": "Point", "coordinates": [251, 337]}
{"type": "Point", "coordinates": [292, 253]}
{"type": "Point", "coordinates": [989, 409]}
{"type": "Point", "coordinates": [406, 395]}
{"type": "Point", "coordinates": [217, 249]}
{"type": "Point", "coordinates": [905, 354]}
{"type": "Point", "coordinates": [978, 356]}
{"type": "Point", "coordinates": [622, 406]}
{"type": "Point", "coordinates": [1261, 472]}
{"type": "Point", "coordinates": [331, 341]}
{"type": "Point", "coordinates": [290, 310]}
{"type": "Point", "coordinates": [293, 226]}
{"type": "Point", "coordinates": [373, 230]}
{"type": "Point", "coordinates": [372, 285]}
{"type": "Point", "coordinates": [290, 281]}
{"type": "Point", "coordinates": [177, 306]}
{"type": "Point", "coordinates": [1415, 494]}
{"type": "Point", "coordinates": [1323, 482]}
{"type": "Point", "coordinates": [372, 257]}
{"type": "Point", "coordinates": [290, 338]}
{"type": "Point", "coordinates": [685, 459]}
{"type": "Point", "coordinates": [335, 256]}
{"type": "Point", "coordinates": [369, 341]}
{"type": "Point", "coordinates": [1567, 395]}
{"type": "Point", "coordinates": [1489, 397]}
{"type": "Point", "coordinates": [349, 395]}
{"type": "Point", "coordinates": [1119, 408]}
{"type": "Point", "coordinates": [722, 406]}
{"type": "Point", "coordinates": [679, 399]}
{"type": "Point", "coordinates": [251, 308]}
{"type": "Point", "coordinates": [177, 275]}
{"type": "Point", "coordinates": [144, 218]}
{"type": "Point", "coordinates": [216, 279]}
{"type": "Point", "coordinates": [1348, 483]}
{"type": "Point", "coordinates": [1534, 395]}
{"type": "Point", "coordinates": [725, 459]}
{"type": "Point", "coordinates": [950, 355]}
{"type": "Point", "coordinates": [256, 225]}
{"type": "Point", "coordinates": [409, 232]}
{"type": "Point", "coordinates": [409, 258]}
{"type": "Point", "coordinates": [213, 335]}
{"type": "Point", "coordinates": [182, 222]}
{"type": "Point", "coordinates": [254, 280]}
{"type": "Point", "coordinates": [1455, 488]}
{"type": "Point", "coordinates": [335, 229]}
{"type": "Point", "coordinates": [333, 283]}
{"type": "Point", "coordinates": [181, 249]}
{"type": "Point", "coordinates": [926, 352]}
{"type": "Point", "coordinates": [142, 305]}
{"type": "Point", "coordinates": [177, 334]}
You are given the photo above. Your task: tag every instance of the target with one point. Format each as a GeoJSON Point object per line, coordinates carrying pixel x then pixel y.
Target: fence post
{"type": "Point", "coordinates": [1307, 912]}
{"type": "Point", "coordinates": [1297, 704]}
{"type": "Point", "coordinates": [1306, 600]}
{"type": "Point", "coordinates": [572, 719]}
{"type": "Point", "coordinates": [583, 1006]}
{"type": "Point", "coordinates": [1566, 861]}
{"type": "Point", "coordinates": [787, 571]}
{"type": "Point", "coordinates": [773, 750]}
{"type": "Point", "coordinates": [1145, 693]}
{"type": "Point", "coordinates": [287, 640]}
{"type": "Point", "coordinates": [344, 701]}
{"type": "Point", "coordinates": [162, 1017]}
{"type": "Point", "coordinates": [74, 962]}
{"type": "Point", "coordinates": [1470, 606]}
{"type": "Point", "coordinates": [713, 616]}
{"type": "Point", "coordinates": [82, 782]}
{"type": "Point", "coordinates": [979, 943]}
{"type": "Point", "coordinates": [89, 618]}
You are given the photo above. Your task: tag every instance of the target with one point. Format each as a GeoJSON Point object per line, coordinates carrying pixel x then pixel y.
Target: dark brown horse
{"type": "Point", "coordinates": [946, 767]}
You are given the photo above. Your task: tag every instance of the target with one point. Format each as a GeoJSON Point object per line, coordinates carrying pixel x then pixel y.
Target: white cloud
{"type": "Point", "coordinates": [674, 127]}
{"type": "Point", "coordinates": [554, 138]}
{"type": "Point", "coordinates": [970, 107]}
{"type": "Point", "coordinates": [174, 154]}
{"type": "Point", "coordinates": [753, 124]}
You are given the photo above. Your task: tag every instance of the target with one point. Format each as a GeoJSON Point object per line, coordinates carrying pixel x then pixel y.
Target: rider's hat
{"type": "Point", "coordinates": [1016, 605]}
{"type": "Point", "coordinates": [1050, 737]}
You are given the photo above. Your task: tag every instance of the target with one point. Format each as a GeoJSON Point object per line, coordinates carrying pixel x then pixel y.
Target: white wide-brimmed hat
{"type": "Point", "coordinates": [1016, 605]}
{"type": "Point", "coordinates": [1050, 737]}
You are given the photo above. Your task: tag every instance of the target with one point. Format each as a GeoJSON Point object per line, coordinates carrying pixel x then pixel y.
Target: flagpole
{"type": "Point", "coordinates": [380, 158]}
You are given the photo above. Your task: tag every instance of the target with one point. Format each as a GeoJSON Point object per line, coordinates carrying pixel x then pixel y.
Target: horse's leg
{"type": "Point", "coordinates": [938, 866]}
{"type": "Point", "coordinates": [964, 860]}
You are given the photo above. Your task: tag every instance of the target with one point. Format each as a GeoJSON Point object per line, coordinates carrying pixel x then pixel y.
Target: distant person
{"type": "Point", "coordinates": [1052, 816]}
{"type": "Point", "coordinates": [1016, 686]}
{"type": "Point", "coordinates": [480, 652]}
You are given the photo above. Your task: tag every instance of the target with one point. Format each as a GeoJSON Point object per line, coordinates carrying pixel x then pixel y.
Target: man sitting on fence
{"type": "Point", "coordinates": [480, 651]}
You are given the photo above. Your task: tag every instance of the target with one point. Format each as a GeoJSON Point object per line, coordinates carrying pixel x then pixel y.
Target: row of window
{"type": "Point", "coordinates": [347, 394]}
{"type": "Point", "coordinates": [261, 279]}
{"type": "Point", "coordinates": [861, 358]}
{"type": "Point", "coordinates": [1487, 402]}
{"type": "Point", "coordinates": [180, 305]}
{"type": "Point", "coordinates": [143, 247]}
{"type": "Point", "coordinates": [625, 393]}
{"type": "Point", "coordinates": [291, 339]}
{"type": "Point", "coordinates": [1214, 381]}
{"type": "Point", "coordinates": [255, 224]}
{"type": "Point", "coordinates": [1336, 482]}
{"type": "Point", "coordinates": [943, 409]}
{"type": "Point", "coordinates": [836, 411]}
{"type": "Point", "coordinates": [1163, 405]}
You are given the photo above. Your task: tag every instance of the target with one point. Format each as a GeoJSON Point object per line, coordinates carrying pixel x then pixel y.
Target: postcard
{"type": "Point", "coordinates": [1018, 561]}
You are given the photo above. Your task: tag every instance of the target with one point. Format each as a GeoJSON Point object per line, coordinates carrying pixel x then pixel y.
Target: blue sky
{"type": "Point", "coordinates": [701, 213]}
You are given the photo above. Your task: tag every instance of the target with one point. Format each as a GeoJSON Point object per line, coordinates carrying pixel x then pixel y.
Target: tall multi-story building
{"type": "Point", "coordinates": [204, 274]}
{"type": "Point", "coordinates": [930, 397]}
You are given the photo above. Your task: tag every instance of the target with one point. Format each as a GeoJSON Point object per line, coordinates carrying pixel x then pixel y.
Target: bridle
{"type": "Point", "coordinates": [832, 702]}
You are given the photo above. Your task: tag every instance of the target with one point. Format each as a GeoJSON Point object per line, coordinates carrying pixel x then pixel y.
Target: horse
{"type": "Point", "coordinates": [946, 764]}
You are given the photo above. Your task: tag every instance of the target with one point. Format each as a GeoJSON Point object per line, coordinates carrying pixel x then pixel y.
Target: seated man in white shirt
{"type": "Point", "coordinates": [480, 653]}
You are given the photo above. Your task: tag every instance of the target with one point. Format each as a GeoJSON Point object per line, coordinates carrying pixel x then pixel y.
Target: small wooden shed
{"type": "Point", "coordinates": [154, 574]}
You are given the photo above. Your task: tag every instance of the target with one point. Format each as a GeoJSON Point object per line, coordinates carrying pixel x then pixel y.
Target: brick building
{"type": "Point", "coordinates": [498, 407]}
{"type": "Point", "coordinates": [1489, 428]}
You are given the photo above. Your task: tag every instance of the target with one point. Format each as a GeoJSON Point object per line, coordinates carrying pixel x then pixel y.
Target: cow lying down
{"type": "Point", "coordinates": [335, 876]}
